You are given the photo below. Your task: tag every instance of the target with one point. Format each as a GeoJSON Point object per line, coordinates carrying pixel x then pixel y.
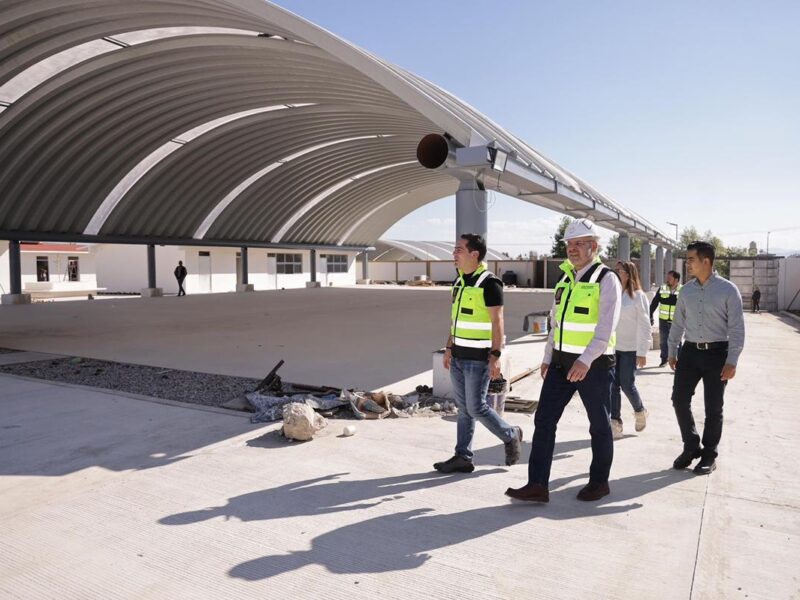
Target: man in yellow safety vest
{"type": "Point", "coordinates": [665, 301]}
{"type": "Point", "coordinates": [473, 352]}
{"type": "Point", "coordinates": [579, 356]}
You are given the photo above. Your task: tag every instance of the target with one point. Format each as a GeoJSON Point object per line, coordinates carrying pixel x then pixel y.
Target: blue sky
{"type": "Point", "coordinates": [683, 111]}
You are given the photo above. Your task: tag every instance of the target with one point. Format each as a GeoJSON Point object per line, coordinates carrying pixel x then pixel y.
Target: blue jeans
{"type": "Point", "coordinates": [556, 393]}
{"type": "Point", "coordinates": [625, 379]}
{"type": "Point", "coordinates": [470, 379]}
{"type": "Point", "coordinates": [663, 330]}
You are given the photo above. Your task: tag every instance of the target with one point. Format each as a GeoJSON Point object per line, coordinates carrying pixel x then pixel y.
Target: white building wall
{"type": "Point", "coordinates": [5, 273]}
{"type": "Point", "coordinates": [333, 279]}
{"type": "Point", "coordinates": [122, 268]}
{"type": "Point", "coordinates": [87, 270]}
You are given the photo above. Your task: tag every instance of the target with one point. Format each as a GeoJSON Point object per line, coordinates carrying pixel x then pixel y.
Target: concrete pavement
{"type": "Point", "coordinates": [106, 496]}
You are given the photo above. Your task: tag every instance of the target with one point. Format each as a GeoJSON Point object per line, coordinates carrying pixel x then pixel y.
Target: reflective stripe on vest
{"type": "Point", "coordinates": [578, 309]}
{"type": "Point", "coordinates": [666, 312]}
{"type": "Point", "coordinates": [470, 321]}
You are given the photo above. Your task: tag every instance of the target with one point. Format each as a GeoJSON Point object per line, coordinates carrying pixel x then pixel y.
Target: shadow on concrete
{"type": "Point", "coordinates": [320, 496]}
{"type": "Point", "coordinates": [496, 454]}
{"type": "Point", "coordinates": [402, 541]}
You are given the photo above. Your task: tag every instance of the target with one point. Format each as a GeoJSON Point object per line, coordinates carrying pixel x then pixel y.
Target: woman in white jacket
{"type": "Point", "coordinates": [633, 342]}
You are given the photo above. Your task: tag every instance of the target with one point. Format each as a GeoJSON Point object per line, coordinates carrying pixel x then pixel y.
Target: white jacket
{"type": "Point", "coordinates": [633, 329]}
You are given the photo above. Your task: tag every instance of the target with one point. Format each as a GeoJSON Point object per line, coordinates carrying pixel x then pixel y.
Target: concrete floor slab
{"type": "Point", "coordinates": [344, 337]}
{"type": "Point", "coordinates": [105, 496]}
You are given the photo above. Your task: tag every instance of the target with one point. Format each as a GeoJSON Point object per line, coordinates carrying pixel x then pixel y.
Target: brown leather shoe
{"type": "Point", "coordinates": [593, 491]}
{"type": "Point", "coordinates": [532, 492]}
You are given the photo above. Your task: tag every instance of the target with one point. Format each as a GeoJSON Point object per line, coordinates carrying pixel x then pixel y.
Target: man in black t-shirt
{"type": "Point", "coordinates": [472, 354]}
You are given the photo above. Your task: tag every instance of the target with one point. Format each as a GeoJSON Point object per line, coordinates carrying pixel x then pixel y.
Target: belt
{"type": "Point", "coordinates": [707, 345]}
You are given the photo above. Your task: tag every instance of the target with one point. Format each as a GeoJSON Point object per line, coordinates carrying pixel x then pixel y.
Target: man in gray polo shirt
{"type": "Point", "coordinates": [709, 314]}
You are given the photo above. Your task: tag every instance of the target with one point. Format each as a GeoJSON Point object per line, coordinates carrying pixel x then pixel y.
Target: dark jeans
{"type": "Point", "coordinates": [556, 393]}
{"type": "Point", "coordinates": [181, 291]}
{"type": "Point", "coordinates": [694, 365]}
{"type": "Point", "coordinates": [756, 305]}
{"type": "Point", "coordinates": [663, 330]}
{"type": "Point", "coordinates": [625, 380]}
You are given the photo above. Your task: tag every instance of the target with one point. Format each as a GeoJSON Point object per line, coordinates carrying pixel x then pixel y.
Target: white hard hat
{"type": "Point", "coordinates": [581, 228]}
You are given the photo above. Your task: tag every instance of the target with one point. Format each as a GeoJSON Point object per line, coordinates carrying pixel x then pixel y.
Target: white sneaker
{"type": "Point", "coordinates": [641, 419]}
{"type": "Point", "coordinates": [616, 429]}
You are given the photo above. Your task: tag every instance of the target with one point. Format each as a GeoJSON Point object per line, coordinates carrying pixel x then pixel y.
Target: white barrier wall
{"type": "Point", "coordinates": [59, 280]}
{"type": "Point", "coordinates": [443, 271]}
{"type": "Point", "coordinates": [382, 271]}
{"type": "Point", "coordinates": [407, 270]}
{"type": "Point", "coordinates": [789, 284]}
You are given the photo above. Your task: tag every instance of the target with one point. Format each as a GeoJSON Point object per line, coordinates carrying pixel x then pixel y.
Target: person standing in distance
{"type": "Point", "coordinates": [180, 275]}
{"type": "Point", "coordinates": [579, 356]}
{"type": "Point", "coordinates": [665, 301]}
{"type": "Point", "coordinates": [710, 316]}
{"type": "Point", "coordinates": [472, 354]}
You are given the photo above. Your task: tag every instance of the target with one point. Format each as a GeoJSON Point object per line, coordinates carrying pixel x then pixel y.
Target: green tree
{"type": "Point", "coordinates": [612, 247]}
{"type": "Point", "coordinates": [559, 249]}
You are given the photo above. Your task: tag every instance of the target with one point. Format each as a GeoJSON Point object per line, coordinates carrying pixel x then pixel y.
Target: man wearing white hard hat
{"type": "Point", "coordinates": [579, 356]}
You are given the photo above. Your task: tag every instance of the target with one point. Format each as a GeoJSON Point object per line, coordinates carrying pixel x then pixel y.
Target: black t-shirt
{"type": "Point", "coordinates": [492, 296]}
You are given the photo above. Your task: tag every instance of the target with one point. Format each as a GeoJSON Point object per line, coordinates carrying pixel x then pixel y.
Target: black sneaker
{"type": "Point", "coordinates": [705, 466]}
{"type": "Point", "coordinates": [514, 447]}
{"type": "Point", "coordinates": [457, 464]}
{"type": "Point", "coordinates": [663, 363]}
{"type": "Point", "coordinates": [685, 458]}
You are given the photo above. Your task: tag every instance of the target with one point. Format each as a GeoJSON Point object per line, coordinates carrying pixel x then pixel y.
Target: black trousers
{"type": "Point", "coordinates": [181, 291]}
{"type": "Point", "coordinates": [694, 365]}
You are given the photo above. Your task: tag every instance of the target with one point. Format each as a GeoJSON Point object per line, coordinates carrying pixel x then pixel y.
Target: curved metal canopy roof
{"type": "Point", "coordinates": [229, 122]}
{"type": "Point", "coordinates": [403, 250]}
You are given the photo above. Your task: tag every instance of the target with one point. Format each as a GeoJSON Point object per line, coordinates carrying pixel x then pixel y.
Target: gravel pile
{"type": "Point", "coordinates": [169, 384]}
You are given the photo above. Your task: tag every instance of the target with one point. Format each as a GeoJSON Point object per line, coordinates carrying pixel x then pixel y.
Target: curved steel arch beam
{"type": "Point", "coordinates": [208, 169]}
{"type": "Point", "coordinates": [387, 213]}
{"type": "Point", "coordinates": [259, 213]}
{"type": "Point", "coordinates": [140, 170]}
{"type": "Point", "coordinates": [333, 217]}
{"type": "Point", "coordinates": [208, 222]}
{"type": "Point", "coordinates": [287, 225]}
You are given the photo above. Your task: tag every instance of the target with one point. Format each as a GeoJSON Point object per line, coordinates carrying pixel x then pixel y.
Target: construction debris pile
{"type": "Point", "coordinates": [348, 404]}
{"type": "Point", "coordinates": [304, 409]}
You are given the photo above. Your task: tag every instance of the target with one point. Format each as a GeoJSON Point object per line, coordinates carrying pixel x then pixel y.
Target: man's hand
{"type": "Point", "coordinates": [446, 360]}
{"type": "Point", "coordinates": [494, 367]}
{"type": "Point", "coordinates": [577, 372]}
{"type": "Point", "coordinates": [673, 362]}
{"type": "Point", "coordinates": [728, 372]}
{"type": "Point", "coordinates": [641, 361]}
{"type": "Point", "coordinates": [543, 369]}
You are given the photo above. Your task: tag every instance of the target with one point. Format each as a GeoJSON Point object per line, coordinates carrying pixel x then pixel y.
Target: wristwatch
{"type": "Point", "coordinates": [495, 353]}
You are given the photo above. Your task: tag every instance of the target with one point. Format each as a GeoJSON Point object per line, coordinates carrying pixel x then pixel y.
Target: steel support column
{"type": "Point", "coordinates": [471, 209]}
{"type": "Point", "coordinates": [645, 266]}
{"type": "Point", "coordinates": [365, 265]}
{"type": "Point", "coordinates": [15, 267]}
{"type": "Point", "coordinates": [245, 280]}
{"type": "Point", "coordinates": [659, 266]}
{"type": "Point", "coordinates": [624, 247]}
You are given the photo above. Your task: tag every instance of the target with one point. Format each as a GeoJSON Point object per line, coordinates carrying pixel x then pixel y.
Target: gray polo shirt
{"type": "Point", "coordinates": [711, 312]}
